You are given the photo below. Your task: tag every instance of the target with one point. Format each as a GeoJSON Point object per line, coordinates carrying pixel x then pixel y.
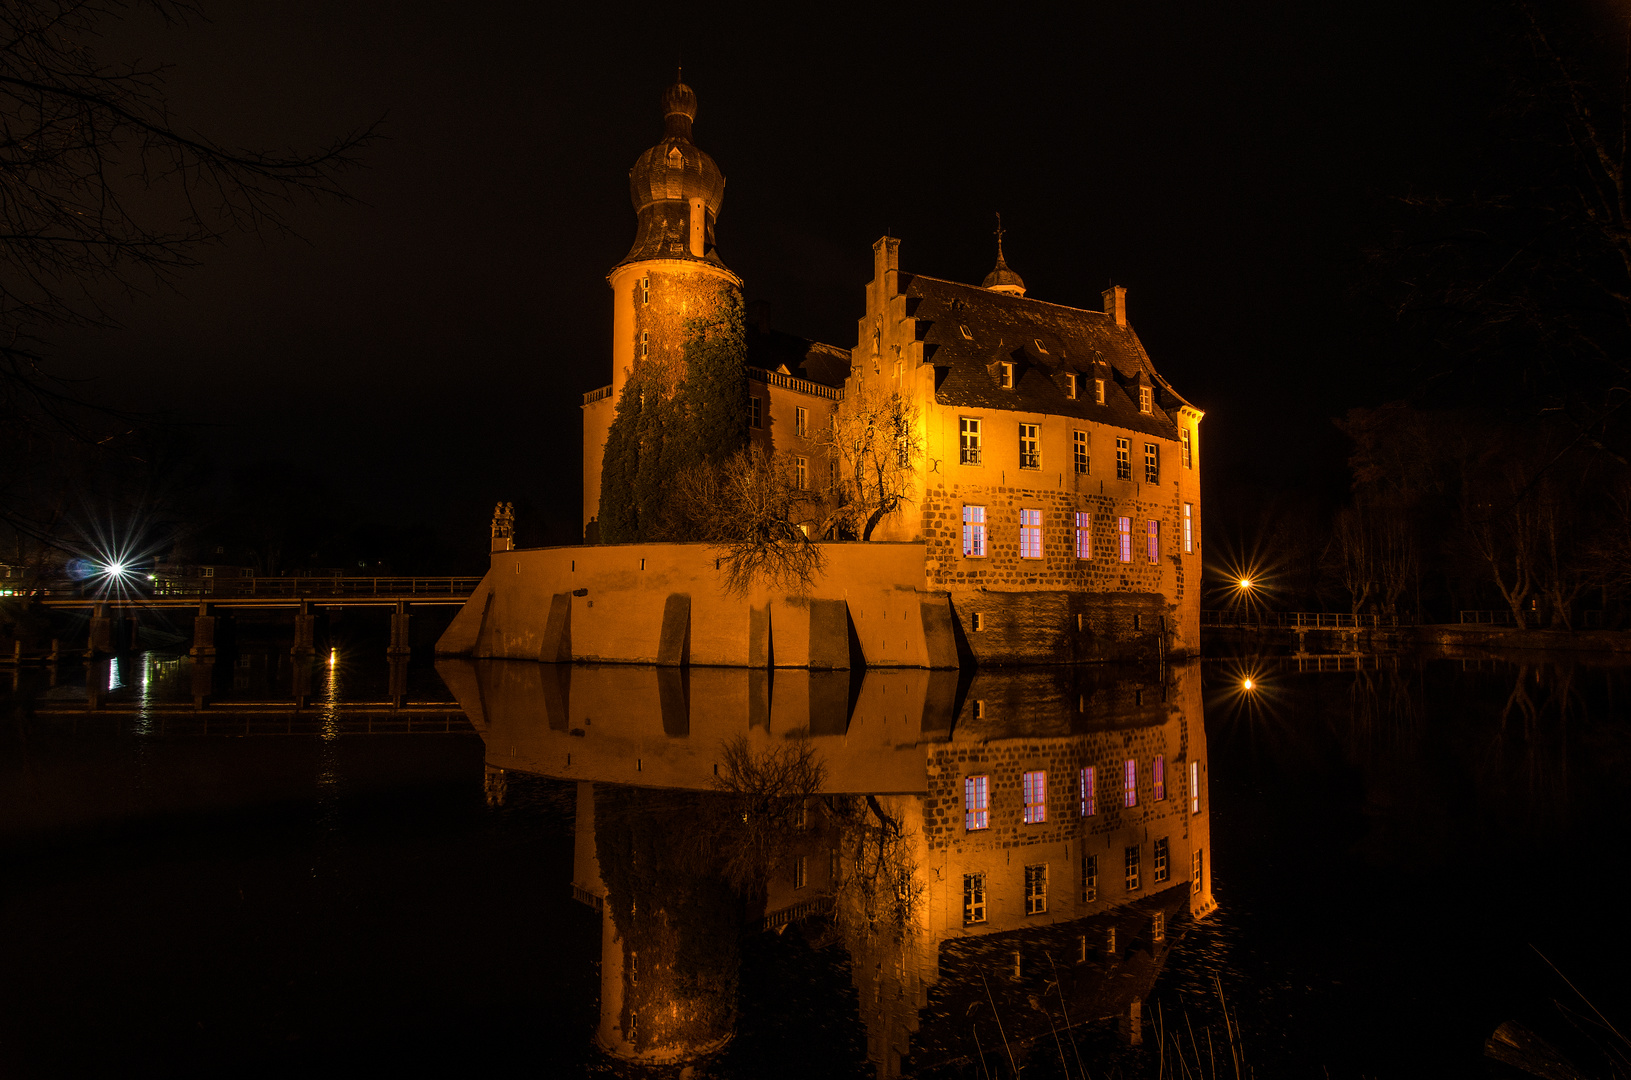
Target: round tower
{"type": "Point", "coordinates": [673, 273]}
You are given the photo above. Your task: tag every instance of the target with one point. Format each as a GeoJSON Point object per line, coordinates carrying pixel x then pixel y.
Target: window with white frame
{"type": "Point", "coordinates": [1152, 463]}
{"type": "Point", "coordinates": [801, 471]}
{"type": "Point", "coordinates": [1090, 795]}
{"type": "Point", "coordinates": [969, 440]}
{"type": "Point", "coordinates": [1030, 446]}
{"type": "Point", "coordinates": [1154, 532]}
{"type": "Point", "coordinates": [1189, 529]}
{"type": "Point", "coordinates": [1084, 535]}
{"type": "Point", "coordinates": [1196, 868]}
{"type": "Point", "coordinates": [1030, 534]}
{"type": "Point", "coordinates": [1036, 889]}
{"type": "Point", "coordinates": [1090, 878]}
{"type": "Point", "coordinates": [1188, 448]}
{"type": "Point", "coordinates": [1036, 797]}
{"type": "Point", "coordinates": [1194, 787]}
{"type": "Point", "coordinates": [1005, 375]}
{"type": "Point", "coordinates": [801, 422]}
{"type": "Point", "coordinates": [1130, 859]}
{"type": "Point", "coordinates": [1158, 862]}
{"type": "Point", "coordinates": [1098, 391]}
{"type": "Point", "coordinates": [1078, 446]}
{"type": "Point", "coordinates": [755, 416]}
{"type": "Point", "coordinates": [1124, 460]}
{"type": "Point", "coordinates": [1146, 399]}
{"type": "Point", "coordinates": [974, 532]}
{"type": "Point", "coordinates": [1070, 384]}
{"type": "Point", "coordinates": [973, 899]}
{"type": "Point", "coordinates": [1158, 926]}
{"type": "Point", "coordinates": [1159, 775]}
{"type": "Point", "coordinates": [1124, 538]}
{"type": "Point", "coordinates": [1129, 783]}
{"type": "Point", "coordinates": [976, 802]}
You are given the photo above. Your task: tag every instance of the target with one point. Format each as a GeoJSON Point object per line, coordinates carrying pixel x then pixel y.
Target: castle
{"type": "Point", "coordinates": [1050, 481]}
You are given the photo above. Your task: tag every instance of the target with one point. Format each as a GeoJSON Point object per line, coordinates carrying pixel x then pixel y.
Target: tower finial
{"type": "Point", "coordinates": [999, 233]}
{"type": "Point", "coordinates": [1001, 279]}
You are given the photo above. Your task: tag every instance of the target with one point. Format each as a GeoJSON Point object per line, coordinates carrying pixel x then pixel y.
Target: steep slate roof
{"type": "Point", "coordinates": [803, 358]}
{"type": "Point", "coordinates": [1005, 328]}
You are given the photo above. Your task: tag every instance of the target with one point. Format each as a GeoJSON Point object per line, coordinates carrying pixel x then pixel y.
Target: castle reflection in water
{"type": "Point", "coordinates": [999, 847]}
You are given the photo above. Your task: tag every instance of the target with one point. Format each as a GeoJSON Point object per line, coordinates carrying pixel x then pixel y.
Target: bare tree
{"type": "Point", "coordinates": [874, 439]}
{"type": "Point", "coordinates": [754, 510]}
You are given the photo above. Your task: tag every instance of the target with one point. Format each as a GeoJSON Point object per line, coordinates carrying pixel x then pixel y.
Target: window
{"type": "Point", "coordinates": [1090, 783]}
{"type": "Point", "coordinates": [1005, 375]}
{"type": "Point", "coordinates": [903, 452]}
{"type": "Point", "coordinates": [1070, 384]}
{"type": "Point", "coordinates": [1194, 787]}
{"type": "Point", "coordinates": [1124, 460]}
{"type": "Point", "coordinates": [969, 439]}
{"type": "Point", "coordinates": [1030, 446]}
{"type": "Point", "coordinates": [1078, 442]}
{"type": "Point", "coordinates": [1146, 399]}
{"type": "Point", "coordinates": [1030, 534]}
{"type": "Point", "coordinates": [1159, 774]}
{"type": "Point", "coordinates": [801, 471]}
{"type": "Point", "coordinates": [1124, 533]}
{"type": "Point", "coordinates": [974, 532]}
{"type": "Point", "coordinates": [973, 899]}
{"type": "Point", "coordinates": [1041, 348]}
{"type": "Point", "coordinates": [1189, 528]}
{"type": "Point", "coordinates": [976, 802]}
{"type": "Point", "coordinates": [755, 419]}
{"type": "Point", "coordinates": [645, 344]}
{"type": "Point", "coordinates": [645, 290]}
{"type": "Point", "coordinates": [1158, 926]}
{"type": "Point", "coordinates": [801, 872]}
{"type": "Point", "coordinates": [832, 474]}
{"type": "Point", "coordinates": [1159, 862]}
{"type": "Point", "coordinates": [801, 422]}
{"type": "Point", "coordinates": [1036, 889]}
{"type": "Point", "coordinates": [1188, 450]}
{"type": "Point", "coordinates": [966, 335]}
{"type": "Point", "coordinates": [1084, 536]}
{"type": "Point", "coordinates": [1129, 783]}
{"type": "Point", "coordinates": [1155, 541]}
{"type": "Point", "coordinates": [1130, 857]}
{"type": "Point", "coordinates": [1036, 797]}
{"type": "Point", "coordinates": [1098, 391]}
{"type": "Point", "coordinates": [1152, 463]}
{"type": "Point", "coordinates": [1090, 878]}
{"type": "Point", "coordinates": [979, 620]}
{"type": "Point", "coordinates": [209, 571]}
{"type": "Point", "coordinates": [1195, 869]}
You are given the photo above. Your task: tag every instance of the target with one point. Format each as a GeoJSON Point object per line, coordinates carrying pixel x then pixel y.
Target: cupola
{"type": "Point", "coordinates": [676, 189]}
{"type": "Point", "coordinates": [1001, 278]}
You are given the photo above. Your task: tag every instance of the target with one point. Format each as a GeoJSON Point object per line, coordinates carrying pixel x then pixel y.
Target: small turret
{"type": "Point", "coordinates": [504, 527]}
{"type": "Point", "coordinates": [1001, 279]}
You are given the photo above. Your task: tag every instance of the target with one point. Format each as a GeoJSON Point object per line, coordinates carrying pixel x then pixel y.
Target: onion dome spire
{"type": "Point", "coordinates": [1001, 279]}
{"type": "Point", "coordinates": [676, 189]}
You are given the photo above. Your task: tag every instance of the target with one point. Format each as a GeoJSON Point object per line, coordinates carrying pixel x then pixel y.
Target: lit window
{"type": "Point", "coordinates": [1189, 451]}
{"type": "Point", "coordinates": [1160, 777]}
{"type": "Point", "coordinates": [1129, 783]}
{"type": "Point", "coordinates": [1098, 391]}
{"type": "Point", "coordinates": [1078, 441]}
{"type": "Point", "coordinates": [1158, 864]}
{"type": "Point", "coordinates": [755, 419]}
{"type": "Point", "coordinates": [801, 422]}
{"type": "Point", "coordinates": [645, 343]}
{"type": "Point", "coordinates": [1195, 869]}
{"type": "Point", "coordinates": [966, 335]}
{"type": "Point", "coordinates": [1194, 787]}
{"type": "Point", "coordinates": [969, 439]}
{"type": "Point", "coordinates": [1155, 541]}
{"type": "Point", "coordinates": [1030, 446]}
{"type": "Point", "coordinates": [801, 469]}
{"type": "Point", "coordinates": [1084, 535]}
{"type": "Point", "coordinates": [1090, 878]}
{"type": "Point", "coordinates": [1152, 463]}
{"type": "Point", "coordinates": [1124, 537]}
{"type": "Point", "coordinates": [1189, 528]}
{"type": "Point", "coordinates": [645, 290]}
{"type": "Point", "coordinates": [976, 802]}
{"type": "Point", "coordinates": [1036, 889]}
{"type": "Point", "coordinates": [1130, 859]}
{"type": "Point", "coordinates": [1030, 534]}
{"type": "Point", "coordinates": [974, 532]}
{"type": "Point", "coordinates": [1146, 399]}
{"type": "Point", "coordinates": [1124, 460]}
{"type": "Point", "coordinates": [1070, 384]}
{"type": "Point", "coordinates": [1090, 783]}
{"type": "Point", "coordinates": [1005, 376]}
{"type": "Point", "coordinates": [800, 872]}
{"type": "Point", "coordinates": [973, 899]}
{"type": "Point", "coordinates": [1036, 797]}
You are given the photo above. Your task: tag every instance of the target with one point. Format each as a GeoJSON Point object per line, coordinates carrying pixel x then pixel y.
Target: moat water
{"type": "Point", "coordinates": [528, 868]}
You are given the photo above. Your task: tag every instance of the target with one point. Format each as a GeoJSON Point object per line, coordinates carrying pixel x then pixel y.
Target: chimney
{"type": "Point", "coordinates": [699, 228]}
{"type": "Point", "coordinates": [886, 262]}
{"type": "Point", "coordinates": [1115, 304]}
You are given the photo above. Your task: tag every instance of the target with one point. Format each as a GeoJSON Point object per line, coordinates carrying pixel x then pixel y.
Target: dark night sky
{"type": "Point", "coordinates": [426, 347]}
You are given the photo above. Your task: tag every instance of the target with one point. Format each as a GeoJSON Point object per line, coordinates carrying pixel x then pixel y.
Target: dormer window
{"type": "Point", "coordinates": [1041, 348]}
{"type": "Point", "coordinates": [1005, 376]}
{"type": "Point", "coordinates": [1098, 391]}
{"type": "Point", "coordinates": [1070, 384]}
{"type": "Point", "coordinates": [1146, 399]}
{"type": "Point", "coordinates": [966, 335]}
{"type": "Point", "coordinates": [676, 160]}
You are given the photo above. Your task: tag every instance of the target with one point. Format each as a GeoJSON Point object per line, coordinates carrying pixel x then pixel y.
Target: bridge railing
{"type": "Point", "coordinates": [1493, 618]}
{"type": "Point", "coordinates": [1304, 620]}
{"type": "Point", "coordinates": [290, 587]}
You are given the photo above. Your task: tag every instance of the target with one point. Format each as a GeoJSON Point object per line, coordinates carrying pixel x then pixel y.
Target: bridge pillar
{"type": "Point", "coordinates": [305, 632]}
{"type": "Point", "coordinates": [398, 680]}
{"type": "Point", "coordinates": [101, 633]}
{"type": "Point", "coordinates": [96, 682]}
{"type": "Point", "coordinates": [133, 632]}
{"type": "Point", "coordinates": [399, 632]}
{"type": "Point", "coordinates": [302, 678]}
{"type": "Point", "coordinates": [203, 633]}
{"type": "Point", "coordinates": [203, 681]}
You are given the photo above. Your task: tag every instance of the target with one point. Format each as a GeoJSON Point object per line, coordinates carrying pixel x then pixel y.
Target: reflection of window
{"type": "Point", "coordinates": [1030, 446]}
{"type": "Point", "coordinates": [1124, 534]}
{"type": "Point", "coordinates": [1090, 878]}
{"type": "Point", "coordinates": [1030, 534]}
{"type": "Point", "coordinates": [1036, 889]}
{"type": "Point", "coordinates": [1160, 775]}
{"type": "Point", "coordinates": [1124, 460]}
{"type": "Point", "coordinates": [976, 802]}
{"type": "Point", "coordinates": [1194, 787]}
{"type": "Point", "coordinates": [1036, 797]}
{"type": "Point", "coordinates": [969, 439]}
{"type": "Point", "coordinates": [1084, 539]}
{"type": "Point", "coordinates": [1078, 442]}
{"type": "Point", "coordinates": [974, 532]}
{"type": "Point", "coordinates": [1129, 783]}
{"type": "Point", "coordinates": [1090, 783]}
{"type": "Point", "coordinates": [1131, 858]}
{"type": "Point", "coordinates": [801, 422]}
{"type": "Point", "coordinates": [1152, 463]}
{"type": "Point", "coordinates": [755, 418]}
{"type": "Point", "coordinates": [1159, 862]}
{"type": "Point", "coordinates": [973, 899]}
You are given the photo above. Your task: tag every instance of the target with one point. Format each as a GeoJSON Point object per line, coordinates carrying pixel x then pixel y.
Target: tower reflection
{"type": "Point", "coordinates": [1005, 856]}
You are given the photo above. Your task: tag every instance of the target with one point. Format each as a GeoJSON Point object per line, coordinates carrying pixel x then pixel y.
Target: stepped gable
{"type": "Point", "coordinates": [1005, 327]}
{"type": "Point", "coordinates": [804, 359]}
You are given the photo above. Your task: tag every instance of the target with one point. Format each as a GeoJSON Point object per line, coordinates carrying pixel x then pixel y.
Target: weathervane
{"type": "Point", "coordinates": [1000, 231]}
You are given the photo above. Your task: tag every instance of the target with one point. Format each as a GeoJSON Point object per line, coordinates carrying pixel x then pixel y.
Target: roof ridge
{"type": "Point", "coordinates": [1027, 299]}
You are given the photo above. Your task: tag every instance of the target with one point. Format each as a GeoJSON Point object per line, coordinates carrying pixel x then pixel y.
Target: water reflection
{"type": "Point", "coordinates": [1004, 856]}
